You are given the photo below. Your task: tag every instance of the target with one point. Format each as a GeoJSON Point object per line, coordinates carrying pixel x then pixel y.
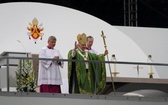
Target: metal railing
{"type": "Point", "coordinates": [72, 60]}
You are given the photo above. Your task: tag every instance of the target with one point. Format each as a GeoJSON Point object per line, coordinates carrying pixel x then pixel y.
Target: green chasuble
{"type": "Point", "coordinates": [82, 80]}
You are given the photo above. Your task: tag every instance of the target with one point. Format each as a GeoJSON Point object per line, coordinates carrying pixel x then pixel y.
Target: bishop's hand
{"type": "Point", "coordinates": [75, 45]}
{"type": "Point", "coordinates": [105, 52]}
{"type": "Point", "coordinates": [56, 57]}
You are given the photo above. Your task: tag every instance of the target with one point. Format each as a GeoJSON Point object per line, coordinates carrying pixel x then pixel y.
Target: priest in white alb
{"type": "Point", "coordinates": [49, 75]}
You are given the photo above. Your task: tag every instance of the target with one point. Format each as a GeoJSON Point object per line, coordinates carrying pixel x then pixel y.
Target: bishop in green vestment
{"type": "Point", "coordinates": [85, 77]}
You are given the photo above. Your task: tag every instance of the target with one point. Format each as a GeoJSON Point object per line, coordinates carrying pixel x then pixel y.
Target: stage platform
{"type": "Point", "coordinates": [122, 85]}
{"type": "Point", "coordinates": [129, 84]}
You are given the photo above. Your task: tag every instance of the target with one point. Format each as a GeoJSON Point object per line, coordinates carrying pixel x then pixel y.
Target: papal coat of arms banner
{"type": "Point", "coordinates": [35, 30]}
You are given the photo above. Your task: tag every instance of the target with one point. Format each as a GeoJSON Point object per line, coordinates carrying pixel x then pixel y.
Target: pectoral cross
{"type": "Point", "coordinates": [85, 58]}
{"type": "Point", "coordinates": [86, 63]}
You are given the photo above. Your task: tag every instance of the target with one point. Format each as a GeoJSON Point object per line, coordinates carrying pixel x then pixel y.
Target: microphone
{"type": "Point", "coordinates": [23, 47]}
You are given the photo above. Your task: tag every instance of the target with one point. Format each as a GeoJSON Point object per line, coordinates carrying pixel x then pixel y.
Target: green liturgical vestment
{"type": "Point", "coordinates": [86, 79]}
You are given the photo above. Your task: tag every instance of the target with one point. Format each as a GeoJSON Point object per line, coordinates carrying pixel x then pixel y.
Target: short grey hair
{"type": "Point", "coordinates": [51, 38]}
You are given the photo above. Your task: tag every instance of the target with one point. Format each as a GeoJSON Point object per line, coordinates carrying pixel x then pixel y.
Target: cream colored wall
{"type": "Point", "coordinates": [153, 41]}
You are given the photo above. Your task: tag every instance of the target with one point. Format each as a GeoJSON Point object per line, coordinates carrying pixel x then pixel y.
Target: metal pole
{"type": "Point", "coordinates": [7, 61]}
{"type": "Point", "coordinates": [20, 72]}
{"type": "Point", "coordinates": [136, 13]}
{"type": "Point", "coordinates": [129, 20]}
{"type": "Point", "coordinates": [124, 13]}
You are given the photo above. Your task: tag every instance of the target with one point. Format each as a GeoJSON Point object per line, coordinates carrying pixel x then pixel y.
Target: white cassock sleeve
{"type": "Point", "coordinates": [73, 53]}
{"type": "Point", "coordinates": [45, 63]}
